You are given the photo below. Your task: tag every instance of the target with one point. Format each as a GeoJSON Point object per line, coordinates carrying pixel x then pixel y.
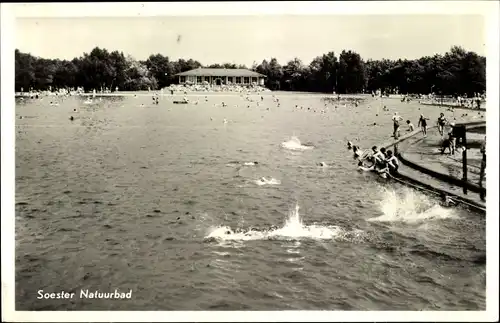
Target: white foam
{"type": "Point", "coordinates": [410, 206]}
{"type": "Point", "coordinates": [293, 229]}
{"type": "Point", "coordinates": [267, 181]}
{"type": "Point", "coordinates": [295, 144]}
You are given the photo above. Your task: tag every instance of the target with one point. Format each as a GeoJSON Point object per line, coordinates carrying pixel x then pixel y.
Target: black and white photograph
{"type": "Point", "coordinates": [256, 161]}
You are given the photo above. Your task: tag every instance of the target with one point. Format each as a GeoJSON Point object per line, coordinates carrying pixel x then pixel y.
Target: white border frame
{"type": "Point", "coordinates": [9, 12]}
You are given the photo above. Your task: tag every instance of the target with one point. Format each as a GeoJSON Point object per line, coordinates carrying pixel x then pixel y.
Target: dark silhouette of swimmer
{"type": "Point", "coordinates": [446, 201]}
{"type": "Point", "coordinates": [71, 118]}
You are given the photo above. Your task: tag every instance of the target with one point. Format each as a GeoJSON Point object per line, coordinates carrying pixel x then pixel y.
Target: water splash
{"type": "Point", "coordinates": [267, 181]}
{"type": "Point", "coordinates": [295, 144]}
{"type": "Point", "coordinates": [293, 229]}
{"type": "Point", "coordinates": [410, 206]}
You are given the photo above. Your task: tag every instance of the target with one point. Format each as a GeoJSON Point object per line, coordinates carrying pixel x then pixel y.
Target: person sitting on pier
{"type": "Point", "coordinates": [378, 157]}
{"type": "Point", "coordinates": [391, 164]}
{"type": "Point", "coordinates": [357, 152]}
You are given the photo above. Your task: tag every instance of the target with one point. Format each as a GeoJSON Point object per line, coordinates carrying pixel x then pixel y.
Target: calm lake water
{"type": "Point", "coordinates": [158, 199]}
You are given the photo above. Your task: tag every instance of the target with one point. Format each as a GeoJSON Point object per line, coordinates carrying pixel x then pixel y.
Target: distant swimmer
{"type": "Point", "coordinates": [322, 164]}
{"type": "Point", "coordinates": [225, 120]}
{"type": "Point", "coordinates": [250, 163]}
{"type": "Point", "coordinates": [71, 118]}
{"type": "Point", "coordinates": [349, 145]}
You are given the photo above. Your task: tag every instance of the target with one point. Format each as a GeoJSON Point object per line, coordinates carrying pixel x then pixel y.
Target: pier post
{"type": "Point", "coordinates": [464, 160]}
{"type": "Point", "coordinates": [483, 168]}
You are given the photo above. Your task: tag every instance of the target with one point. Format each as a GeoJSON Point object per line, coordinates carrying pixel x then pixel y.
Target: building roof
{"type": "Point", "coordinates": [221, 72]}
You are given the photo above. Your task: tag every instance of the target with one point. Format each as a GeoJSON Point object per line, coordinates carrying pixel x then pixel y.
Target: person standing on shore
{"type": "Point", "coordinates": [422, 122]}
{"type": "Point", "coordinates": [441, 122]}
{"type": "Point", "coordinates": [396, 119]}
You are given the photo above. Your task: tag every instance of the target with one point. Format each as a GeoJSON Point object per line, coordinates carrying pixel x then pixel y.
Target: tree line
{"type": "Point", "coordinates": [457, 72]}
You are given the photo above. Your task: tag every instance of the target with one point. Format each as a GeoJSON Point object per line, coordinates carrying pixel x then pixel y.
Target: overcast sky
{"type": "Point", "coordinates": [246, 39]}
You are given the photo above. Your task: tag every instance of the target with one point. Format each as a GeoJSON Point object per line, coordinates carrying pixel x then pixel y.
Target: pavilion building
{"type": "Point", "coordinates": [220, 76]}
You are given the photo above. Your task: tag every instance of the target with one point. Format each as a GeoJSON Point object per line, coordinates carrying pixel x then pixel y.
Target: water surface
{"type": "Point", "coordinates": [158, 199]}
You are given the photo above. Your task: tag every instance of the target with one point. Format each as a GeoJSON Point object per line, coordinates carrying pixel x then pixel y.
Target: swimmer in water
{"type": "Point", "coordinates": [446, 201]}
{"type": "Point", "coordinates": [357, 152]}
{"type": "Point", "coordinates": [411, 127]}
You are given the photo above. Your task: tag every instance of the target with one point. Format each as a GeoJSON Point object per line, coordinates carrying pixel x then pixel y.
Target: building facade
{"type": "Point", "coordinates": [221, 76]}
